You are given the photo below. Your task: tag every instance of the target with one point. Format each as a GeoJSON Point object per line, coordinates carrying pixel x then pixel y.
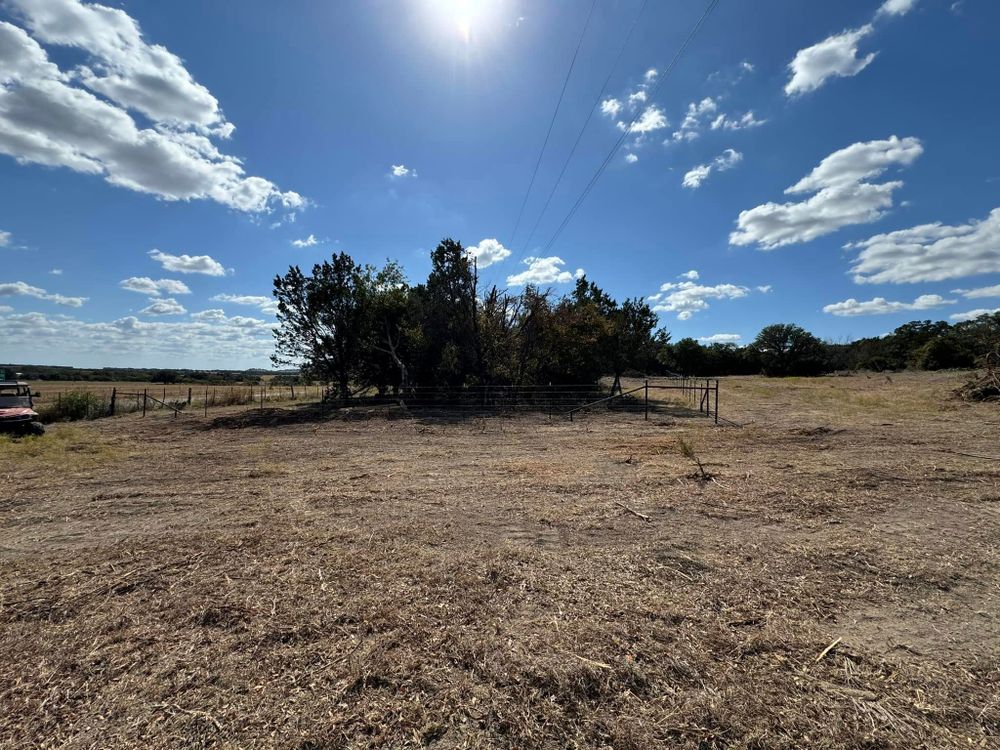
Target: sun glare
{"type": "Point", "coordinates": [464, 18]}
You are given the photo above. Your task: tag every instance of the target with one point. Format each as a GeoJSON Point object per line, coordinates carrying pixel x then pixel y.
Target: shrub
{"type": "Point", "coordinates": [74, 406]}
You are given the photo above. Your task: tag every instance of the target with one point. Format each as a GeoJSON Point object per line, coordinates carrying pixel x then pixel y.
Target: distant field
{"type": "Point", "coordinates": [832, 580]}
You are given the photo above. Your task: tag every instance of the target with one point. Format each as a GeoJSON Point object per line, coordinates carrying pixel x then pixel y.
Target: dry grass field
{"type": "Point", "coordinates": [301, 583]}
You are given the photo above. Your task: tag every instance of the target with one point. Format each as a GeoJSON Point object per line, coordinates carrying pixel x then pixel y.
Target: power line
{"type": "Point", "coordinates": [590, 114]}
{"type": "Point", "coordinates": [628, 131]}
{"type": "Point", "coordinates": [552, 122]}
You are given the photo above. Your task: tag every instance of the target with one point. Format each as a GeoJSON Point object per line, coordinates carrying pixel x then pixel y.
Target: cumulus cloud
{"type": "Point", "coordinates": [221, 341]}
{"type": "Point", "coordinates": [694, 119]}
{"type": "Point", "coordinates": [637, 97]}
{"type": "Point", "coordinates": [697, 175]}
{"type": "Point", "coordinates": [882, 306]}
{"type": "Point", "coordinates": [631, 158]}
{"type": "Point", "coordinates": [611, 107]}
{"type": "Point", "coordinates": [835, 56]}
{"type": "Point", "coordinates": [487, 252]}
{"type": "Point", "coordinates": [651, 119]}
{"type": "Point", "coordinates": [81, 119]}
{"type": "Point", "coordinates": [765, 289]}
{"type": "Point", "coordinates": [686, 297]}
{"type": "Point", "coordinates": [544, 271]}
{"type": "Point", "coordinates": [843, 196]}
{"type": "Point", "coordinates": [4, 238]}
{"type": "Point", "coordinates": [265, 304]}
{"type": "Point", "coordinates": [650, 75]}
{"type": "Point", "coordinates": [973, 314]}
{"type": "Point", "coordinates": [401, 170]}
{"type": "Point", "coordinates": [168, 306]}
{"type": "Point", "coordinates": [21, 289]}
{"type": "Point", "coordinates": [981, 292]}
{"type": "Point", "coordinates": [896, 7]}
{"type": "Point", "coordinates": [307, 242]}
{"type": "Point", "coordinates": [720, 338]}
{"type": "Point", "coordinates": [147, 286]}
{"type": "Point", "coordinates": [691, 275]}
{"type": "Point", "coordinates": [188, 263]}
{"type": "Point", "coordinates": [930, 252]}
{"type": "Point", "coordinates": [740, 122]}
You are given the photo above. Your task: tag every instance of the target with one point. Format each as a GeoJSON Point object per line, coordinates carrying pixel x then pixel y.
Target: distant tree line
{"type": "Point", "coordinates": [786, 349]}
{"type": "Point", "coordinates": [131, 374]}
{"type": "Point", "coordinates": [360, 327]}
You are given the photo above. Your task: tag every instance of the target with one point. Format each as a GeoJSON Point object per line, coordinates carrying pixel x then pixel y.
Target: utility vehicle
{"type": "Point", "coordinates": [17, 410]}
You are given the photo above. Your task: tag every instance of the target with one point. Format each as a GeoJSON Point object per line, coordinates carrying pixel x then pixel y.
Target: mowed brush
{"type": "Point", "coordinates": [394, 584]}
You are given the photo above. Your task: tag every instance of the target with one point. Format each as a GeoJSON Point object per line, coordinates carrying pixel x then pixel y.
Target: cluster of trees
{"type": "Point", "coordinates": [363, 327]}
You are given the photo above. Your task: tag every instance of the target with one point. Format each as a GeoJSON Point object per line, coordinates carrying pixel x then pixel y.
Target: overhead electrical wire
{"type": "Point", "coordinates": [628, 130]}
{"type": "Point", "coordinates": [552, 121]}
{"type": "Point", "coordinates": [590, 114]}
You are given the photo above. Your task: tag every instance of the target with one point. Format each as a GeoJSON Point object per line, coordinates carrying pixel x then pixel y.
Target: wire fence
{"type": "Point", "coordinates": [679, 396]}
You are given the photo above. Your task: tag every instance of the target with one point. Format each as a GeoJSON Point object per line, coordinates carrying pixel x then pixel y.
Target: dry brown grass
{"type": "Point", "coordinates": [343, 584]}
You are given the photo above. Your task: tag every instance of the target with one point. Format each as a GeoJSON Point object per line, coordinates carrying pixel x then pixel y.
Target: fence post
{"type": "Point", "coordinates": [717, 402]}
{"type": "Point", "coordinates": [646, 402]}
{"type": "Point", "coordinates": [144, 392]}
{"type": "Point", "coordinates": [206, 400]}
{"type": "Point", "coordinates": [262, 399]}
{"type": "Point", "coordinates": [293, 391]}
{"type": "Point", "coordinates": [114, 394]}
{"type": "Point", "coordinates": [189, 395]}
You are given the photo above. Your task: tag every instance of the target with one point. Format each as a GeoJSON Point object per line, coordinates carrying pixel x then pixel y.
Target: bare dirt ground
{"type": "Point", "coordinates": [491, 582]}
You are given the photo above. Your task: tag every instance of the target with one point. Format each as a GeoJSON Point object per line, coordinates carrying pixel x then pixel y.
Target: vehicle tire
{"type": "Point", "coordinates": [36, 428]}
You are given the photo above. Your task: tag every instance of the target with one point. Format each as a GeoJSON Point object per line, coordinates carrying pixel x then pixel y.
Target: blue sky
{"type": "Point", "coordinates": [830, 164]}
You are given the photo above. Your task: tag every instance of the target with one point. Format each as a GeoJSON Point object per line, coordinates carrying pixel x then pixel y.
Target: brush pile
{"type": "Point", "coordinates": [985, 385]}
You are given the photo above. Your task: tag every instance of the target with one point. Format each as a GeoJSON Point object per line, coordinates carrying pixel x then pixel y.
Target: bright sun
{"type": "Point", "coordinates": [464, 17]}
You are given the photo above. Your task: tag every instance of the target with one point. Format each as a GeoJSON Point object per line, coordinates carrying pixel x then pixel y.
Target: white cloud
{"type": "Point", "coordinates": [21, 289]}
{"type": "Point", "coordinates": [692, 122]}
{"type": "Point", "coordinates": [691, 275]}
{"type": "Point", "coordinates": [56, 272]}
{"type": "Point", "coordinates": [168, 306]}
{"type": "Point", "coordinates": [741, 122]}
{"type": "Point", "coordinates": [146, 285]}
{"type": "Point", "coordinates": [651, 119]}
{"type": "Point", "coordinates": [686, 297]}
{"type": "Point", "coordinates": [765, 289]}
{"type": "Point", "coordinates": [188, 263]}
{"type": "Point", "coordinates": [696, 175]}
{"type": "Point", "coordinates": [265, 304]}
{"type": "Point", "coordinates": [213, 314]}
{"type": "Point", "coordinates": [401, 170]}
{"type": "Point", "coordinates": [981, 292]}
{"type": "Point", "coordinates": [836, 55]}
{"type": "Point", "coordinates": [721, 338]}
{"type": "Point", "coordinates": [307, 242]}
{"type": "Point", "coordinates": [882, 306]}
{"type": "Point", "coordinates": [53, 118]}
{"type": "Point", "coordinates": [611, 107]}
{"type": "Point", "coordinates": [930, 252]}
{"type": "Point", "coordinates": [544, 271]}
{"type": "Point", "coordinates": [896, 7]}
{"type": "Point", "coordinates": [631, 158]}
{"type": "Point", "coordinates": [724, 161]}
{"type": "Point", "coordinates": [221, 342]}
{"type": "Point", "coordinates": [747, 66]}
{"type": "Point", "coordinates": [650, 75]}
{"type": "Point", "coordinates": [842, 196]}
{"type": "Point", "coordinates": [4, 238]}
{"type": "Point", "coordinates": [973, 314]}
{"type": "Point", "coordinates": [636, 98]}
{"type": "Point", "coordinates": [6, 309]}
{"type": "Point", "coordinates": [487, 252]}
